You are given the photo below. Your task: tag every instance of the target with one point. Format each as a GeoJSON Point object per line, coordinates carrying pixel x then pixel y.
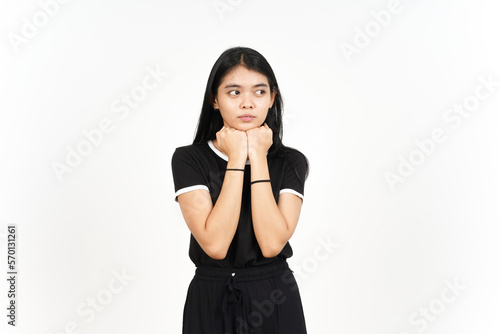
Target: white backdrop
{"type": "Point", "coordinates": [394, 103]}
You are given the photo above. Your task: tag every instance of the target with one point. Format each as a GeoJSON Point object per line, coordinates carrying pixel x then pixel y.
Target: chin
{"type": "Point", "coordinates": [245, 127]}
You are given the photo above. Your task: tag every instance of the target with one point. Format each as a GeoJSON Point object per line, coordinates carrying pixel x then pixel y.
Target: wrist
{"type": "Point", "coordinates": [257, 156]}
{"type": "Point", "coordinates": [236, 163]}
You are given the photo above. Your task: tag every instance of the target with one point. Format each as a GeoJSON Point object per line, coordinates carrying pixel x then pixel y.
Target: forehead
{"type": "Point", "coordinates": [243, 77]}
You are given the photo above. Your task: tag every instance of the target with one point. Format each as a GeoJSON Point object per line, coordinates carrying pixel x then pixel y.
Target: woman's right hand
{"type": "Point", "coordinates": [233, 143]}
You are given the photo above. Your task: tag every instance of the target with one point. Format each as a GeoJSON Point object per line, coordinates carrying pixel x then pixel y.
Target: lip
{"type": "Point", "coordinates": [246, 117]}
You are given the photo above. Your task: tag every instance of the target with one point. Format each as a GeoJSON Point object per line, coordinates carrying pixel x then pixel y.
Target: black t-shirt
{"type": "Point", "coordinates": [203, 166]}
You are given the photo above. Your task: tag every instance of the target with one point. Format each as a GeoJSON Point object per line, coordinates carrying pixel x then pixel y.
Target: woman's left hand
{"type": "Point", "coordinates": [259, 140]}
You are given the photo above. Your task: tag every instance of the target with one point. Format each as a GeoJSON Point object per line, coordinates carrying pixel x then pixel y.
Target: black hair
{"type": "Point", "coordinates": [210, 121]}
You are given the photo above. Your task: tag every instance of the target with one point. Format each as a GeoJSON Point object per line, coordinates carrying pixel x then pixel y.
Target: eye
{"type": "Point", "coordinates": [234, 92]}
{"type": "Point", "coordinates": [261, 92]}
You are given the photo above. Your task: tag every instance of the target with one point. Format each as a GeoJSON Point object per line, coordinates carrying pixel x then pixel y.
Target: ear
{"type": "Point", "coordinates": [213, 102]}
{"type": "Point", "coordinates": [273, 95]}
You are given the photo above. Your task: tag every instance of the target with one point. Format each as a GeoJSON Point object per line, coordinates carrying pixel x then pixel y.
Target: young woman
{"type": "Point", "coordinates": [240, 191]}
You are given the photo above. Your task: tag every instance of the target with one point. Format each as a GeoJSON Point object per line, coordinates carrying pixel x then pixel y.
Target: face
{"type": "Point", "coordinates": [244, 93]}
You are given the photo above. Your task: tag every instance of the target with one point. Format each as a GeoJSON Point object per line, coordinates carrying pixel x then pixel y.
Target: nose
{"type": "Point", "coordinates": [246, 102]}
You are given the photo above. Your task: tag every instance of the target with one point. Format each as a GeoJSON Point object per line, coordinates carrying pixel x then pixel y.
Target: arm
{"type": "Point", "coordinates": [274, 224]}
{"type": "Point", "coordinates": [214, 226]}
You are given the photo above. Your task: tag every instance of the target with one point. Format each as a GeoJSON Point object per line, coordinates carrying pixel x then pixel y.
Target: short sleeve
{"type": "Point", "coordinates": [294, 174]}
{"type": "Point", "coordinates": [187, 172]}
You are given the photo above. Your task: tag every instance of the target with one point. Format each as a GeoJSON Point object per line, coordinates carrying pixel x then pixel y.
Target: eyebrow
{"type": "Point", "coordinates": [238, 86]}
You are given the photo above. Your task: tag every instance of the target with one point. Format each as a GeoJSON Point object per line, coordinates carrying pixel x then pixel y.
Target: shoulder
{"type": "Point", "coordinates": [191, 149]}
{"type": "Point", "coordinates": [296, 160]}
{"type": "Point", "coordinates": [286, 152]}
{"type": "Point", "coordinates": [294, 155]}
{"type": "Point", "coordinates": [293, 152]}
{"type": "Point", "coordinates": [190, 154]}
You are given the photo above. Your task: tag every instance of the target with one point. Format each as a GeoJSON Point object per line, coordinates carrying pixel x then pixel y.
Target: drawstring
{"type": "Point", "coordinates": [232, 295]}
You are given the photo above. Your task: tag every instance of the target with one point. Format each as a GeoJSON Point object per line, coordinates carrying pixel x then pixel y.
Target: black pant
{"type": "Point", "coordinates": [257, 300]}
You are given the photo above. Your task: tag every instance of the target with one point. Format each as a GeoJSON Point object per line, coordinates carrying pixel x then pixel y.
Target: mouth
{"type": "Point", "coordinates": [246, 117]}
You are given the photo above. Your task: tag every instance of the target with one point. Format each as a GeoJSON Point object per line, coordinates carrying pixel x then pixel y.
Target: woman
{"type": "Point", "coordinates": [240, 191]}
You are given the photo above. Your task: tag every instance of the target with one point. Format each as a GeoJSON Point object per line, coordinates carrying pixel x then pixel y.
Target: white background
{"type": "Point", "coordinates": [353, 116]}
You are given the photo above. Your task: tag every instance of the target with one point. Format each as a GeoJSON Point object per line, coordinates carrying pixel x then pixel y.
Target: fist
{"type": "Point", "coordinates": [232, 142]}
{"type": "Point", "coordinates": [259, 140]}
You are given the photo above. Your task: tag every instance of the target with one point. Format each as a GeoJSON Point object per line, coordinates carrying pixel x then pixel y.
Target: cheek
{"type": "Point", "coordinates": [266, 112]}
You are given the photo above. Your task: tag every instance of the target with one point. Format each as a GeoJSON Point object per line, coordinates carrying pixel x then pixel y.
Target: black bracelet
{"type": "Point", "coordinates": [235, 169]}
{"type": "Point", "coordinates": [259, 181]}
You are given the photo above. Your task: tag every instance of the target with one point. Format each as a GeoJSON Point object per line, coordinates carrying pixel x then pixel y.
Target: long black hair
{"type": "Point", "coordinates": [210, 121]}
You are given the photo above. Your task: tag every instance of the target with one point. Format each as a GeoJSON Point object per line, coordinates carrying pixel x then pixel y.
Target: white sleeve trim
{"type": "Point", "coordinates": [288, 190]}
{"type": "Point", "coordinates": [186, 189]}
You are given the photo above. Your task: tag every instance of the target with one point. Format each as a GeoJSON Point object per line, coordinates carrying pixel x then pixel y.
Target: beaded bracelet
{"type": "Point", "coordinates": [259, 181]}
{"type": "Point", "coordinates": [235, 169]}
